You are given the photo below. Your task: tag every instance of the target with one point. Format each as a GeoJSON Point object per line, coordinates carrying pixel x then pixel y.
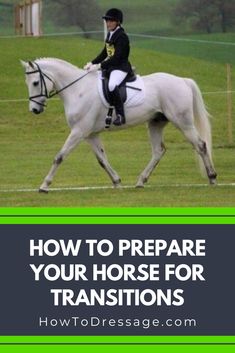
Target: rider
{"type": "Point", "coordinates": [114, 59]}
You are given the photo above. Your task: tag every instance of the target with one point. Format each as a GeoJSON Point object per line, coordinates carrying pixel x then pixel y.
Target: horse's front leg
{"type": "Point", "coordinates": [72, 141]}
{"type": "Point", "coordinates": [99, 152]}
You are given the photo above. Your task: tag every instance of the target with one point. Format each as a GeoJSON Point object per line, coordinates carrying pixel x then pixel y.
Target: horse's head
{"type": "Point", "coordinates": [39, 86]}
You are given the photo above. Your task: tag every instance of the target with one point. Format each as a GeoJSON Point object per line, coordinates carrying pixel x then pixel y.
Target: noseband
{"type": "Point", "coordinates": [43, 86]}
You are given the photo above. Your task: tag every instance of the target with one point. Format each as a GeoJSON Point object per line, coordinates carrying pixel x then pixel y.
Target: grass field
{"type": "Point", "coordinates": [29, 143]}
{"type": "Point", "coordinates": [214, 48]}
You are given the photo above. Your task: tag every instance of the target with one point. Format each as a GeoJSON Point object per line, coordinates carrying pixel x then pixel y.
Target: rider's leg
{"type": "Point", "coordinates": [116, 78]}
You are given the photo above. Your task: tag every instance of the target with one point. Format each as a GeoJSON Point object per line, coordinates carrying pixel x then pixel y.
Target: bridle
{"type": "Point", "coordinates": [44, 91]}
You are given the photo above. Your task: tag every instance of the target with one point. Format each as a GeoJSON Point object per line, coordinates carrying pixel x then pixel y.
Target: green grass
{"type": "Point", "coordinates": [213, 48]}
{"type": "Point", "coordinates": [29, 143]}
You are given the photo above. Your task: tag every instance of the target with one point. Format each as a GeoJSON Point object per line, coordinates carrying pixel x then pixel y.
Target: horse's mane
{"type": "Point", "coordinates": [55, 60]}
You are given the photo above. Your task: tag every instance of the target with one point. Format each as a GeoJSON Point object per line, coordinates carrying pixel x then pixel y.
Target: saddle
{"type": "Point", "coordinates": [132, 92]}
{"type": "Point", "coordinates": [131, 77]}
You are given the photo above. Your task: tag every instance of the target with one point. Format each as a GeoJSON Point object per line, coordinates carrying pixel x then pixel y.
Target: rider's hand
{"type": "Point", "coordinates": [87, 66]}
{"type": "Point", "coordinates": [94, 67]}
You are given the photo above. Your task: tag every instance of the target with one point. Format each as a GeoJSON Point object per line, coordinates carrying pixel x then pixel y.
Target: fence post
{"type": "Point", "coordinates": [229, 103]}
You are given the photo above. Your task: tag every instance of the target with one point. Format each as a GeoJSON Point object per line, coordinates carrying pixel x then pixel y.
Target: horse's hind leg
{"type": "Point", "coordinates": [99, 152]}
{"type": "Point", "coordinates": [200, 146]}
{"type": "Point", "coordinates": [158, 150]}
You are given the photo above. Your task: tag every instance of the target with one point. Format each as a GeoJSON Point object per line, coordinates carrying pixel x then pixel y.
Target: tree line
{"type": "Point", "coordinates": [202, 15]}
{"type": "Point", "coordinates": [206, 15]}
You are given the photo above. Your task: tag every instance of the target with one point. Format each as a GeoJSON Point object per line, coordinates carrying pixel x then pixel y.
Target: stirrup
{"type": "Point", "coordinates": [120, 120]}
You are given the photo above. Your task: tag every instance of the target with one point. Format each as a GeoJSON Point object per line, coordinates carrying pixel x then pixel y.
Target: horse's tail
{"type": "Point", "coordinates": [201, 118]}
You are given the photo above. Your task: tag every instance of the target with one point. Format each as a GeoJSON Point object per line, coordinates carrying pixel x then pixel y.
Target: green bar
{"type": "Point", "coordinates": [118, 211]}
{"type": "Point", "coordinates": [117, 215]}
{"type": "Point", "coordinates": [119, 339]}
{"type": "Point", "coordinates": [130, 344]}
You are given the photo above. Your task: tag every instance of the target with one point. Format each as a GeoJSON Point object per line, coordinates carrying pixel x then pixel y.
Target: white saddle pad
{"type": "Point", "coordinates": [134, 97]}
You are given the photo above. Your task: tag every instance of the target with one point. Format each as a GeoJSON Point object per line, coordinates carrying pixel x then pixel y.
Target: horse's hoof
{"type": "Point", "coordinates": [117, 183]}
{"type": "Point", "coordinates": [213, 181]}
{"type": "Point", "coordinates": [139, 186]}
{"type": "Point", "coordinates": [44, 191]}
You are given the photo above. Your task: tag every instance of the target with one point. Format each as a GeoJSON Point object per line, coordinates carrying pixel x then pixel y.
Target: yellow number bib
{"type": "Point", "coordinates": [110, 50]}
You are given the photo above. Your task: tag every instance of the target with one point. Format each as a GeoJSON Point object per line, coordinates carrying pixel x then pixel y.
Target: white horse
{"type": "Point", "coordinates": [178, 100]}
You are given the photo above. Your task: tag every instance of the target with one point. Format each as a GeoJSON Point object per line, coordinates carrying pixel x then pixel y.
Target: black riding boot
{"type": "Point", "coordinates": [119, 108]}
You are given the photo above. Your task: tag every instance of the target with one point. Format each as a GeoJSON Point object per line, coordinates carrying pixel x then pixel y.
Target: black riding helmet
{"type": "Point", "coordinates": [113, 14]}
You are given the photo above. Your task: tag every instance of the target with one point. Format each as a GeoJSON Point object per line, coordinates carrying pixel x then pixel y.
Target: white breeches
{"type": "Point", "coordinates": [116, 77]}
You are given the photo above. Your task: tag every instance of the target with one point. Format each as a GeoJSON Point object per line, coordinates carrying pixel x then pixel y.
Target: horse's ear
{"type": "Point", "coordinates": [23, 63]}
{"type": "Point", "coordinates": [31, 64]}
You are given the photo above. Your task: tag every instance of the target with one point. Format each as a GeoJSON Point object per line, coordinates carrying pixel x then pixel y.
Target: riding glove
{"type": "Point", "coordinates": [94, 67]}
{"type": "Point", "coordinates": [87, 66]}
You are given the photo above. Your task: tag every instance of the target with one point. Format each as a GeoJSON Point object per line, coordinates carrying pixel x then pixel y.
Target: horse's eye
{"type": "Point", "coordinates": [35, 83]}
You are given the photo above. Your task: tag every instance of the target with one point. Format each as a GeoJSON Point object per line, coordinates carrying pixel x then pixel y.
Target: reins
{"type": "Point", "coordinates": [53, 93]}
{"type": "Point", "coordinates": [47, 94]}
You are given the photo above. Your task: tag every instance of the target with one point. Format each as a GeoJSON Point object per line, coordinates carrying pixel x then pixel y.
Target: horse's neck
{"type": "Point", "coordinates": [60, 72]}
